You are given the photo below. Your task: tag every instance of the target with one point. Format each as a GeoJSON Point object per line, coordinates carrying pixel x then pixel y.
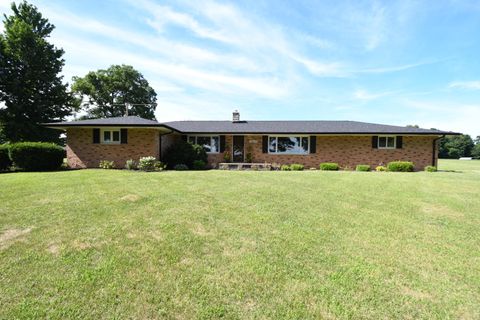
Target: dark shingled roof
{"type": "Point", "coordinates": [133, 121]}
{"type": "Point", "coordinates": [305, 127]}
{"type": "Point", "coordinates": [254, 127]}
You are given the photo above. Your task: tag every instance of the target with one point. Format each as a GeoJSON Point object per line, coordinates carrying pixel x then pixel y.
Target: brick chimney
{"type": "Point", "coordinates": [236, 116]}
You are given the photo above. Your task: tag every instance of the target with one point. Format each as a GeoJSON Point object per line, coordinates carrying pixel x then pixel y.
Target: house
{"type": "Point", "coordinates": [347, 143]}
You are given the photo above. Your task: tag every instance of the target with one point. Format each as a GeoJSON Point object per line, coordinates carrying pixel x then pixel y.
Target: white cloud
{"type": "Point", "coordinates": [179, 73]}
{"type": "Point", "coordinates": [266, 44]}
{"type": "Point", "coordinates": [397, 68]}
{"type": "Point", "coordinates": [467, 85]}
{"type": "Point", "coordinates": [361, 94]}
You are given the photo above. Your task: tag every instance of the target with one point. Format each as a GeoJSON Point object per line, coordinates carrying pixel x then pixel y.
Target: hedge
{"type": "Point", "coordinates": [362, 167]}
{"type": "Point", "coordinates": [184, 153]}
{"type": "Point", "coordinates": [400, 166]}
{"type": "Point", "coordinates": [5, 161]}
{"type": "Point", "coordinates": [37, 156]}
{"type": "Point", "coordinates": [329, 166]}
{"type": "Point", "coordinates": [297, 167]}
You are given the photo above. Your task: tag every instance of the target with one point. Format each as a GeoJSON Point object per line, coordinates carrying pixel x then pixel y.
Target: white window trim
{"type": "Point", "coordinates": [211, 141]}
{"type": "Point", "coordinates": [288, 153]}
{"type": "Point", "coordinates": [386, 147]}
{"type": "Point", "coordinates": [111, 136]}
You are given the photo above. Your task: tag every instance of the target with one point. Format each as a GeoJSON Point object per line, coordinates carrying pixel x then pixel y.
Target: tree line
{"type": "Point", "coordinates": [32, 90]}
{"type": "Point", "coordinates": [454, 147]}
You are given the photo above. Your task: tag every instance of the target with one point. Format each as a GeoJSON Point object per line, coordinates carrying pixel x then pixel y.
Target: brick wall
{"type": "Point", "coordinates": [83, 153]}
{"type": "Point", "coordinates": [347, 151]}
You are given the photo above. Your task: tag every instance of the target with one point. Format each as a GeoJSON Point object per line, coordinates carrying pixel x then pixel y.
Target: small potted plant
{"type": "Point", "coordinates": [227, 156]}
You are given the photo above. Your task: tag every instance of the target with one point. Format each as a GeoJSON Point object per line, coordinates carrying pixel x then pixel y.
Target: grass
{"type": "Point", "coordinates": [241, 245]}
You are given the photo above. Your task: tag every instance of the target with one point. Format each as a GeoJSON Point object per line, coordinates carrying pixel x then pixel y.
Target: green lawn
{"type": "Point", "coordinates": [241, 245]}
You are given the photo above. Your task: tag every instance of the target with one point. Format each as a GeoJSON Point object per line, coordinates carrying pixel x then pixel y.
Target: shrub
{"type": "Point", "coordinates": [380, 169]}
{"type": "Point", "coordinates": [130, 164]}
{"type": "Point", "coordinates": [363, 167]}
{"type": "Point", "coordinates": [105, 164]}
{"type": "Point", "coordinates": [150, 164]}
{"type": "Point", "coordinates": [185, 153]}
{"type": "Point", "coordinates": [180, 167]}
{"type": "Point", "coordinates": [199, 165]}
{"type": "Point", "coordinates": [329, 166]}
{"type": "Point", "coordinates": [36, 156]}
{"type": "Point", "coordinates": [5, 161]}
{"type": "Point", "coordinates": [285, 167]}
{"type": "Point", "coordinates": [431, 169]}
{"type": "Point", "coordinates": [400, 166]}
{"type": "Point", "coordinates": [296, 167]}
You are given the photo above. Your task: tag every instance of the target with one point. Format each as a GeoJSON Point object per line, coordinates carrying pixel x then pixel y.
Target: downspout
{"type": "Point", "coordinates": [434, 147]}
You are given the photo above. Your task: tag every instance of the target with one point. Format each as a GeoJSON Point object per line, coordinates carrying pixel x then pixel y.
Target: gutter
{"type": "Point", "coordinates": [434, 147]}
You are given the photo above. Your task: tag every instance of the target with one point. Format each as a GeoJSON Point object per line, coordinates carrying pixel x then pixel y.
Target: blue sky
{"type": "Point", "coordinates": [395, 62]}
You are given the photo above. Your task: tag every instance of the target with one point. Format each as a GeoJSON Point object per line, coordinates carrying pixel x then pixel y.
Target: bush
{"type": "Point", "coordinates": [363, 167]}
{"type": "Point", "coordinates": [130, 164]}
{"type": "Point", "coordinates": [199, 165]}
{"type": "Point", "coordinates": [329, 166]}
{"type": "Point", "coordinates": [296, 167]}
{"type": "Point", "coordinates": [431, 169]}
{"type": "Point", "coordinates": [105, 164]}
{"type": "Point", "coordinates": [37, 156]}
{"type": "Point", "coordinates": [380, 169]}
{"type": "Point", "coordinates": [5, 162]}
{"type": "Point", "coordinates": [150, 164]}
{"type": "Point", "coordinates": [184, 153]}
{"type": "Point", "coordinates": [400, 166]}
{"type": "Point", "coordinates": [285, 167]}
{"type": "Point", "coordinates": [180, 167]}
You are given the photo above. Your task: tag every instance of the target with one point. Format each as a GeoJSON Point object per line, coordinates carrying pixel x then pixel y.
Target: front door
{"type": "Point", "coordinates": [238, 144]}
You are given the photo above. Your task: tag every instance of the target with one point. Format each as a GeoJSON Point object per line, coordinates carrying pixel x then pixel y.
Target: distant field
{"type": "Point", "coordinates": [96, 244]}
{"type": "Point", "coordinates": [466, 165]}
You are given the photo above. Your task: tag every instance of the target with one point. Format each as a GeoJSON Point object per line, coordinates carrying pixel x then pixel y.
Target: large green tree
{"type": "Point", "coordinates": [476, 148]}
{"type": "Point", "coordinates": [108, 91]}
{"type": "Point", "coordinates": [454, 147]}
{"type": "Point", "coordinates": [31, 87]}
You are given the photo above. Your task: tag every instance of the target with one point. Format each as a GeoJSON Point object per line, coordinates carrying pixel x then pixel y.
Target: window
{"type": "Point", "coordinates": [111, 136]}
{"type": "Point", "coordinates": [288, 145]}
{"type": "Point", "coordinates": [211, 144]}
{"type": "Point", "coordinates": [386, 142]}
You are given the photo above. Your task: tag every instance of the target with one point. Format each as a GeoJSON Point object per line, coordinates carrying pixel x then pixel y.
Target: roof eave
{"type": "Point", "coordinates": [440, 133]}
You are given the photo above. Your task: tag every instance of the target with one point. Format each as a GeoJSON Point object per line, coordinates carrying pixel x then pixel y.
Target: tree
{"type": "Point", "coordinates": [30, 86]}
{"type": "Point", "coordinates": [108, 92]}
{"type": "Point", "coordinates": [454, 147]}
{"type": "Point", "coordinates": [476, 148]}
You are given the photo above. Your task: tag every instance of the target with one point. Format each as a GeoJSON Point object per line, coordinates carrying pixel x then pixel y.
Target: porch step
{"type": "Point", "coordinates": [244, 166]}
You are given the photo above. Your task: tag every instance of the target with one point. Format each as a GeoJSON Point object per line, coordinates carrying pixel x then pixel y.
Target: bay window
{"type": "Point", "coordinates": [211, 144]}
{"type": "Point", "coordinates": [288, 144]}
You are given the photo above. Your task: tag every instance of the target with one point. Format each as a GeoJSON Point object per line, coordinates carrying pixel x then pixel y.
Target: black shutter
{"type": "Point", "coordinates": [222, 143]}
{"type": "Point", "coordinates": [96, 135]}
{"type": "Point", "coordinates": [123, 136]}
{"type": "Point", "coordinates": [399, 142]}
{"type": "Point", "coordinates": [375, 142]}
{"type": "Point", "coordinates": [313, 144]}
{"type": "Point", "coordinates": [184, 137]}
{"type": "Point", "coordinates": [265, 144]}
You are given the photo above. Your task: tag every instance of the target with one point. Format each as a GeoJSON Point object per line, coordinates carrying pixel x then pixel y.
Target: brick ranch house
{"type": "Point", "coordinates": [310, 143]}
